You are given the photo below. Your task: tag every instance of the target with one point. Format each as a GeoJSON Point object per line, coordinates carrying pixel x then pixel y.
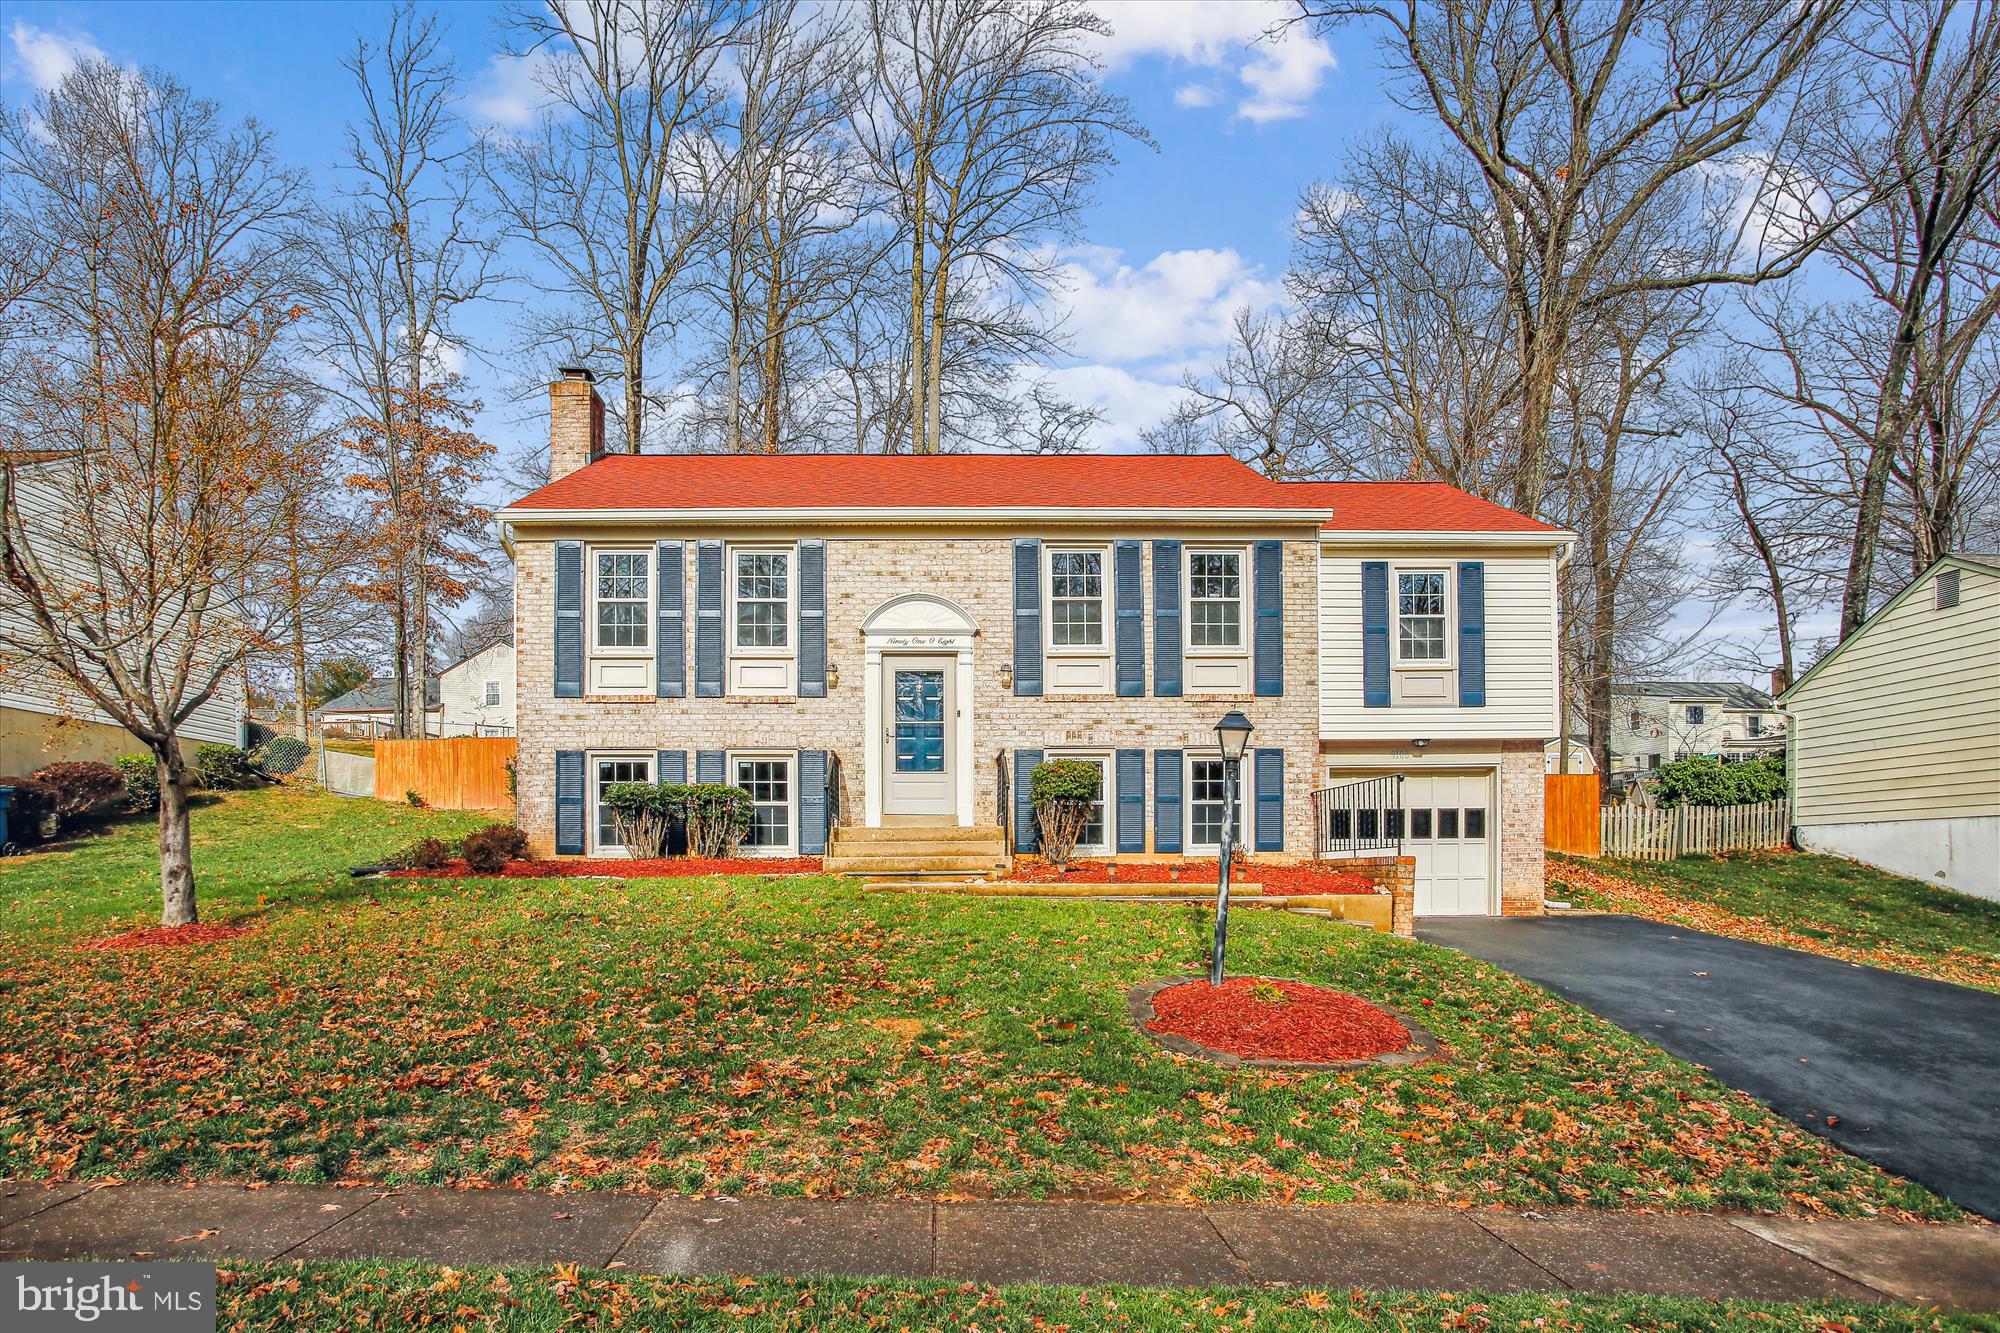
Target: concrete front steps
{"type": "Point", "coordinates": [922, 853]}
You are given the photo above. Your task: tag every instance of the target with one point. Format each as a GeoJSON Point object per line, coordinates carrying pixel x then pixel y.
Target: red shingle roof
{"type": "Point", "coordinates": [1008, 481]}
{"type": "Point", "coordinates": [1411, 506]}
{"type": "Point", "coordinates": [904, 481]}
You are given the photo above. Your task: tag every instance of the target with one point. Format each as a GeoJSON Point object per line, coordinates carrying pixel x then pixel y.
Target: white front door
{"type": "Point", "coordinates": [1448, 828]}
{"type": "Point", "coordinates": [919, 742]}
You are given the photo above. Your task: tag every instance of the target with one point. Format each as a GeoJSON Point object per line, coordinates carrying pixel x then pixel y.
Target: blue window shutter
{"type": "Point", "coordinates": [670, 652]}
{"type": "Point", "coordinates": [1027, 617]}
{"type": "Point", "coordinates": [812, 619]}
{"type": "Point", "coordinates": [1269, 829]}
{"type": "Point", "coordinates": [708, 766]}
{"type": "Point", "coordinates": [1375, 633]}
{"type": "Point", "coordinates": [569, 802]}
{"type": "Point", "coordinates": [812, 802]}
{"type": "Point", "coordinates": [569, 620]}
{"type": "Point", "coordinates": [670, 766]}
{"type": "Point", "coordinates": [708, 620]}
{"type": "Point", "coordinates": [1270, 645]}
{"type": "Point", "coordinates": [1026, 836]}
{"type": "Point", "coordinates": [1166, 800]}
{"type": "Point", "coordinates": [1471, 634]}
{"type": "Point", "coordinates": [1167, 619]}
{"type": "Point", "coordinates": [1129, 580]}
{"type": "Point", "coordinates": [1130, 766]}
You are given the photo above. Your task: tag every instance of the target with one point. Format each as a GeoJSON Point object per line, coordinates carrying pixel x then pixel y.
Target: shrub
{"type": "Point", "coordinates": [415, 799]}
{"type": "Point", "coordinates": [425, 854]}
{"type": "Point", "coordinates": [717, 817]}
{"type": "Point", "coordinates": [219, 767]}
{"type": "Point", "coordinates": [1062, 792]}
{"type": "Point", "coordinates": [281, 755]}
{"type": "Point", "coordinates": [81, 791]}
{"type": "Point", "coordinates": [1705, 780]}
{"type": "Point", "coordinates": [141, 776]}
{"type": "Point", "coordinates": [488, 850]}
{"type": "Point", "coordinates": [33, 818]}
{"type": "Point", "coordinates": [645, 813]}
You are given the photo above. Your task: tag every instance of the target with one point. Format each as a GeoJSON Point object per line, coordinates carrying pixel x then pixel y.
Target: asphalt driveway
{"type": "Point", "coordinates": [1900, 1070]}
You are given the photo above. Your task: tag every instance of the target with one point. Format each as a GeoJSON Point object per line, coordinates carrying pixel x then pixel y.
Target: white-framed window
{"type": "Point", "coordinates": [621, 602]}
{"type": "Point", "coordinates": [1205, 797]}
{"type": "Point", "coordinates": [1077, 598]}
{"type": "Point", "coordinates": [1697, 715]}
{"type": "Point", "coordinates": [1216, 601]}
{"type": "Point", "coordinates": [769, 780]}
{"type": "Point", "coordinates": [1096, 837]}
{"type": "Point", "coordinates": [1754, 725]}
{"type": "Point", "coordinates": [760, 600]}
{"type": "Point", "coordinates": [608, 770]}
{"type": "Point", "coordinates": [1423, 617]}
{"type": "Point", "coordinates": [492, 694]}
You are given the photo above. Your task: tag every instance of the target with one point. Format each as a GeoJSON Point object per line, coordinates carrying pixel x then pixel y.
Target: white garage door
{"type": "Point", "coordinates": [1447, 826]}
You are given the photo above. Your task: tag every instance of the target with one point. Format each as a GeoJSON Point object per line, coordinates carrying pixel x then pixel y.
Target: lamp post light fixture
{"type": "Point", "coordinates": [1232, 734]}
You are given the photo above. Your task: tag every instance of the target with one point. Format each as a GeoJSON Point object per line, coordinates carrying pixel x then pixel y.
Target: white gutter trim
{"type": "Point", "coordinates": [1406, 536]}
{"type": "Point", "coordinates": [927, 517]}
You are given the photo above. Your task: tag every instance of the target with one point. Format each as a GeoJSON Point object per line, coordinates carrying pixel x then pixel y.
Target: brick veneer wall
{"type": "Point", "coordinates": [1521, 828]}
{"type": "Point", "coordinates": [973, 570]}
{"type": "Point", "coordinates": [1397, 875]}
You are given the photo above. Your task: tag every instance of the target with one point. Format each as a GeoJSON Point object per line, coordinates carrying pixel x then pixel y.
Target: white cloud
{"type": "Point", "coordinates": [45, 57]}
{"type": "Point", "coordinates": [1176, 307]}
{"type": "Point", "coordinates": [1130, 403]}
{"type": "Point", "coordinates": [510, 92]}
{"type": "Point", "coordinates": [1280, 74]}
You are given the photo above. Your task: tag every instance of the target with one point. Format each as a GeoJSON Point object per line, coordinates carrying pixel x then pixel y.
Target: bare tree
{"type": "Point", "coordinates": [140, 456]}
{"type": "Point", "coordinates": [1917, 129]}
{"type": "Point", "coordinates": [985, 125]}
{"type": "Point", "coordinates": [1582, 125]}
{"type": "Point", "coordinates": [615, 188]}
{"type": "Point", "coordinates": [1271, 402]}
{"type": "Point", "coordinates": [398, 257]}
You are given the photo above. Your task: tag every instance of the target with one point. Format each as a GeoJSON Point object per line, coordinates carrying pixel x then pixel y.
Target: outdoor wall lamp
{"type": "Point", "coordinates": [833, 675]}
{"type": "Point", "coordinates": [1232, 734]}
{"type": "Point", "coordinates": [1419, 743]}
{"type": "Point", "coordinates": [1006, 676]}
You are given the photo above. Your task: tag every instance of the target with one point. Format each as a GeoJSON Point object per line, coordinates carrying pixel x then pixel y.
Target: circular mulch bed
{"type": "Point", "coordinates": [1242, 1023]}
{"type": "Point", "coordinates": [168, 936]}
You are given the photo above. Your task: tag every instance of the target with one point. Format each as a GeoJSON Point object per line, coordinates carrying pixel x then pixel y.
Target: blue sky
{"type": "Point", "coordinates": [1178, 239]}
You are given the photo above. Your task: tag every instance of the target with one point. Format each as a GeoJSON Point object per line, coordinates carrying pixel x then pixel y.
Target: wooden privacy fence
{"type": "Point", "coordinates": [1661, 835]}
{"type": "Point", "coordinates": [463, 773]}
{"type": "Point", "coordinates": [1569, 813]}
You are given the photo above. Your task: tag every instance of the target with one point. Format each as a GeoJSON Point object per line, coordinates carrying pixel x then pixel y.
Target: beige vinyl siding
{"type": "Point", "coordinates": [1520, 648]}
{"type": "Point", "coordinates": [31, 686]}
{"type": "Point", "coordinates": [1905, 722]}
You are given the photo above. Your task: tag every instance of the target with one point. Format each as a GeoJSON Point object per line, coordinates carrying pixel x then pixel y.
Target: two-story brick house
{"type": "Point", "coordinates": [896, 641]}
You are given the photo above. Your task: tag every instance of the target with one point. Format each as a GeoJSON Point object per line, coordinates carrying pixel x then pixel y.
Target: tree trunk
{"type": "Point", "coordinates": [177, 905]}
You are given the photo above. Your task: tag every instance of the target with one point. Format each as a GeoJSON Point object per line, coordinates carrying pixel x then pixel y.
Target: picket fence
{"type": "Point", "coordinates": [1662, 835]}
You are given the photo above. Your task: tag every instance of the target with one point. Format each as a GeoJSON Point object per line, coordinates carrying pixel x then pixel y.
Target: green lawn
{"type": "Point", "coordinates": [1823, 904]}
{"type": "Point", "coordinates": [334, 1298]}
{"type": "Point", "coordinates": [795, 1037]}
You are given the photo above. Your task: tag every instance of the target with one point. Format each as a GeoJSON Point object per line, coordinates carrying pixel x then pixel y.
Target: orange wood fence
{"type": "Point", "coordinates": [463, 773]}
{"type": "Point", "coordinates": [1569, 813]}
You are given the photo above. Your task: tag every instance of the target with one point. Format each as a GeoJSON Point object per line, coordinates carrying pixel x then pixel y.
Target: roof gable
{"type": "Point", "coordinates": [1415, 506]}
{"type": "Point", "coordinates": [1985, 564]}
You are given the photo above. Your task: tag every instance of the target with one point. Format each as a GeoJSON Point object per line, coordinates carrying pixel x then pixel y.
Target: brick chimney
{"type": "Point", "coordinates": [576, 422]}
{"type": "Point", "coordinates": [1779, 682]}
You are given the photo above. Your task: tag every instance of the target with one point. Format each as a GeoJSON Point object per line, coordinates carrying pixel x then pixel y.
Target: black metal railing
{"type": "Point", "coordinates": [833, 786]}
{"type": "Point", "coordinates": [1365, 816]}
{"type": "Point", "coordinates": [1006, 811]}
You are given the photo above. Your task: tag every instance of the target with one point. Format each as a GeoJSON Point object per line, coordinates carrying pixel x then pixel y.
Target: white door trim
{"type": "Point", "coordinates": [922, 625]}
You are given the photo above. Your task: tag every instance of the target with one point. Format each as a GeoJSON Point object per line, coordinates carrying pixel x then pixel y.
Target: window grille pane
{"type": "Point", "coordinates": [1475, 823]}
{"type": "Point", "coordinates": [1447, 823]}
{"type": "Point", "coordinates": [1422, 639]}
{"type": "Point", "coordinates": [1420, 823]}
{"type": "Point", "coordinates": [609, 772]}
{"type": "Point", "coordinates": [1078, 623]}
{"type": "Point", "coordinates": [621, 625]}
{"type": "Point", "coordinates": [1394, 820]}
{"type": "Point", "coordinates": [1343, 825]}
{"type": "Point", "coordinates": [1368, 824]}
{"type": "Point", "coordinates": [1215, 624]}
{"type": "Point", "coordinates": [769, 783]}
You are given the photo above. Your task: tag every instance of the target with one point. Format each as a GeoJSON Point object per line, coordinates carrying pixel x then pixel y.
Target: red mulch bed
{"type": "Point", "coordinates": [1312, 1024]}
{"type": "Point", "coordinates": [168, 936]}
{"type": "Point", "coordinates": [677, 867]}
{"type": "Point", "coordinates": [1283, 880]}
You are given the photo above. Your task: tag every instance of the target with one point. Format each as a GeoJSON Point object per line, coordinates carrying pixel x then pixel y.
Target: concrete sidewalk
{"type": "Point", "coordinates": [1056, 1243]}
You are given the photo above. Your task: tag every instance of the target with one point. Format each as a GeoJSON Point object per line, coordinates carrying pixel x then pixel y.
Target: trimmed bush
{"type": "Point", "coordinates": [33, 818]}
{"type": "Point", "coordinates": [81, 792]}
{"type": "Point", "coordinates": [717, 817]}
{"type": "Point", "coordinates": [645, 813]}
{"type": "Point", "coordinates": [425, 854]}
{"type": "Point", "coordinates": [1062, 792]}
{"type": "Point", "coordinates": [220, 767]}
{"type": "Point", "coordinates": [488, 850]}
{"type": "Point", "coordinates": [1705, 780]}
{"type": "Point", "coordinates": [141, 777]}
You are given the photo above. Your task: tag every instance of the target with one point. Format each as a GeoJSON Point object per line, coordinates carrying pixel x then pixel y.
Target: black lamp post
{"type": "Point", "coordinates": [1233, 734]}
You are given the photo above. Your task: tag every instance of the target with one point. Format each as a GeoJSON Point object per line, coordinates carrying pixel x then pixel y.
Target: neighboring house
{"type": "Point", "coordinates": [476, 693]}
{"type": "Point", "coordinates": [885, 641]}
{"type": "Point", "coordinates": [1894, 744]}
{"type": "Point", "coordinates": [369, 710]}
{"type": "Point", "coordinates": [1655, 722]}
{"type": "Point", "coordinates": [44, 718]}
